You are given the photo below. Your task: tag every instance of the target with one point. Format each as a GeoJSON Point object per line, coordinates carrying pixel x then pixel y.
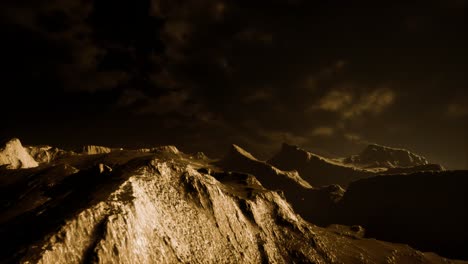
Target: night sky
{"type": "Point", "coordinates": [330, 76]}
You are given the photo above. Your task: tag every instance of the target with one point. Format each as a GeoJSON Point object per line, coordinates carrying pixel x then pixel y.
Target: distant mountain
{"type": "Point", "coordinates": [316, 170]}
{"type": "Point", "coordinates": [376, 156]}
{"type": "Point", "coordinates": [143, 207]}
{"type": "Point", "coordinates": [13, 155]}
{"type": "Point", "coordinates": [373, 160]}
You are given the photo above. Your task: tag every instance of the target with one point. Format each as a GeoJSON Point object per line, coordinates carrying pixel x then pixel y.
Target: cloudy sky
{"type": "Point", "coordinates": [331, 76]}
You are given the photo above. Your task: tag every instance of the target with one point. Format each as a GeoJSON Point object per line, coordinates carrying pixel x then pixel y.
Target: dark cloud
{"type": "Point", "coordinates": [327, 75]}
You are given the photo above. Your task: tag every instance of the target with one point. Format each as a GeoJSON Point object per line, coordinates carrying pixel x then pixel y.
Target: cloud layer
{"type": "Point", "coordinates": [202, 74]}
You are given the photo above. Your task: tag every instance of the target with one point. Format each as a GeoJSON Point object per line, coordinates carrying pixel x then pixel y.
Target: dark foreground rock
{"type": "Point", "coordinates": [427, 210]}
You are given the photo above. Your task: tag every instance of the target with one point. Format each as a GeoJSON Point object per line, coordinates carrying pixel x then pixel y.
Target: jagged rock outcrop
{"type": "Point", "coordinates": [93, 150]}
{"type": "Point", "coordinates": [385, 157]}
{"type": "Point", "coordinates": [427, 210]}
{"type": "Point", "coordinates": [149, 209]}
{"type": "Point", "coordinates": [47, 154]}
{"type": "Point", "coordinates": [14, 156]}
{"type": "Point", "coordinates": [315, 169]}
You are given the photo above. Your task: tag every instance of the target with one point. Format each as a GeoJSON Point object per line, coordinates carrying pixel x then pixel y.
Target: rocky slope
{"type": "Point", "coordinates": [135, 207]}
{"type": "Point", "coordinates": [13, 155]}
{"type": "Point", "coordinates": [315, 169]}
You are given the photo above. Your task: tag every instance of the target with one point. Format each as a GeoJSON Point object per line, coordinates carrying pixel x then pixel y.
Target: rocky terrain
{"type": "Point", "coordinates": [165, 206]}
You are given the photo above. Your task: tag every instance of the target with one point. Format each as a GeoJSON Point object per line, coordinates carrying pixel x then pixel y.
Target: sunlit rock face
{"type": "Point", "coordinates": [163, 216]}
{"type": "Point", "coordinates": [14, 156]}
{"type": "Point", "coordinates": [136, 207]}
{"type": "Point", "coordinates": [380, 156]}
{"type": "Point", "coordinates": [316, 170]}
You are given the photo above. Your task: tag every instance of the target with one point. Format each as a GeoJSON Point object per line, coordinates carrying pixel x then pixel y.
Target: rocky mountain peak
{"type": "Point", "coordinates": [15, 156]}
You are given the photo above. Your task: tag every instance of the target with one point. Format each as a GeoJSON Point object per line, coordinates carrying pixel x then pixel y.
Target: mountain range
{"type": "Point", "coordinates": [160, 205]}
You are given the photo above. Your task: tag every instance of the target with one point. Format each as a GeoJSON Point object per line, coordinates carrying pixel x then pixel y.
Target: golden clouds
{"type": "Point", "coordinates": [350, 105]}
{"type": "Point", "coordinates": [323, 131]}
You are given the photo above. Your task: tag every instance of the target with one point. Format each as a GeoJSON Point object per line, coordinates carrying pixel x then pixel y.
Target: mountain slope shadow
{"type": "Point", "coordinates": [427, 210]}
